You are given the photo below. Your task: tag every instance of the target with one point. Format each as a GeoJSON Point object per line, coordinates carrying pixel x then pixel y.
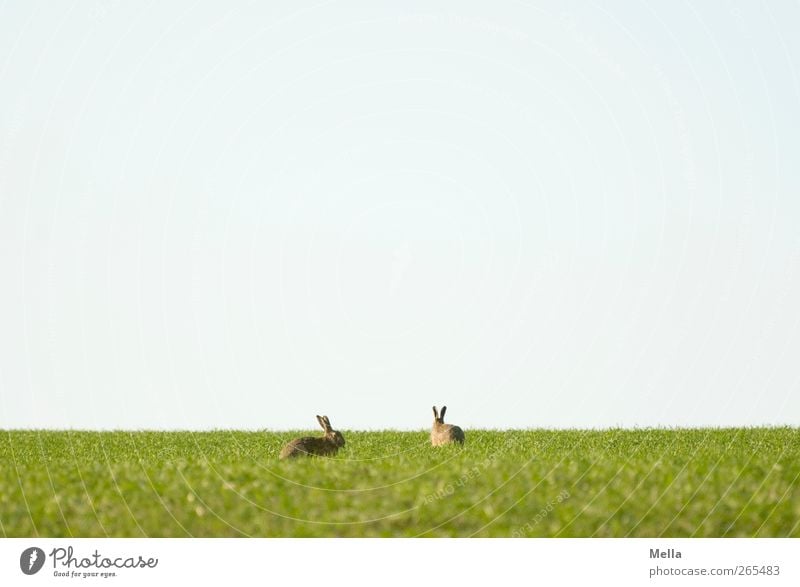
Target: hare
{"type": "Point", "coordinates": [331, 442]}
{"type": "Point", "coordinates": [442, 433]}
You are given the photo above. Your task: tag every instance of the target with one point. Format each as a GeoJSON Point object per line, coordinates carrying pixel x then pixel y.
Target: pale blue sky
{"type": "Point", "coordinates": [540, 214]}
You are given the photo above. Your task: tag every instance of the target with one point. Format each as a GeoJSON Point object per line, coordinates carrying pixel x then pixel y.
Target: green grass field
{"type": "Point", "coordinates": [699, 482]}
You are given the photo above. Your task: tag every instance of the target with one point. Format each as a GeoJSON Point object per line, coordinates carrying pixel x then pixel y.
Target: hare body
{"type": "Point", "coordinates": [442, 433]}
{"type": "Point", "coordinates": [326, 445]}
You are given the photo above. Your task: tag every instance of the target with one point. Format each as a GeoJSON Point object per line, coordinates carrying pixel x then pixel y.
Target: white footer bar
{"type": "Point", "coordinates": [355, 562]}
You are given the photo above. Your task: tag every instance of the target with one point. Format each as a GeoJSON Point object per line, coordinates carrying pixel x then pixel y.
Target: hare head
{"type": "Point", "coordinates": [331, 435]}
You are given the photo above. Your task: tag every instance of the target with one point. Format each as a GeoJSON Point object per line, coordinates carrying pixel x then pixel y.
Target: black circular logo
{"type": "Point", "coordinates": [31, 560]}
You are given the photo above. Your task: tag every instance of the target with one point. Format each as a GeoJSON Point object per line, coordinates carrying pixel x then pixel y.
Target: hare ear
{"type": "Point", "coordinates": [435, 413]}
{"type": "Point", "coordinates": [327, 423]}
{"type": "Point", "coordinates": [441, 414]}
{"type": "Point", "coordinates": [321, 422]}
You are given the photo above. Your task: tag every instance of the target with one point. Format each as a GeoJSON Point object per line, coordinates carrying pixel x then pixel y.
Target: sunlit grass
{"type": "Point", "coordinates": [698, 482]}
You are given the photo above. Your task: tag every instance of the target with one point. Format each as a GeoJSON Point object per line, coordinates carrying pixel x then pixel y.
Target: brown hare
{"type": "Point", "coordinates": [442, 433]}
{"type": "Point", "coordinates": [326, 445]}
